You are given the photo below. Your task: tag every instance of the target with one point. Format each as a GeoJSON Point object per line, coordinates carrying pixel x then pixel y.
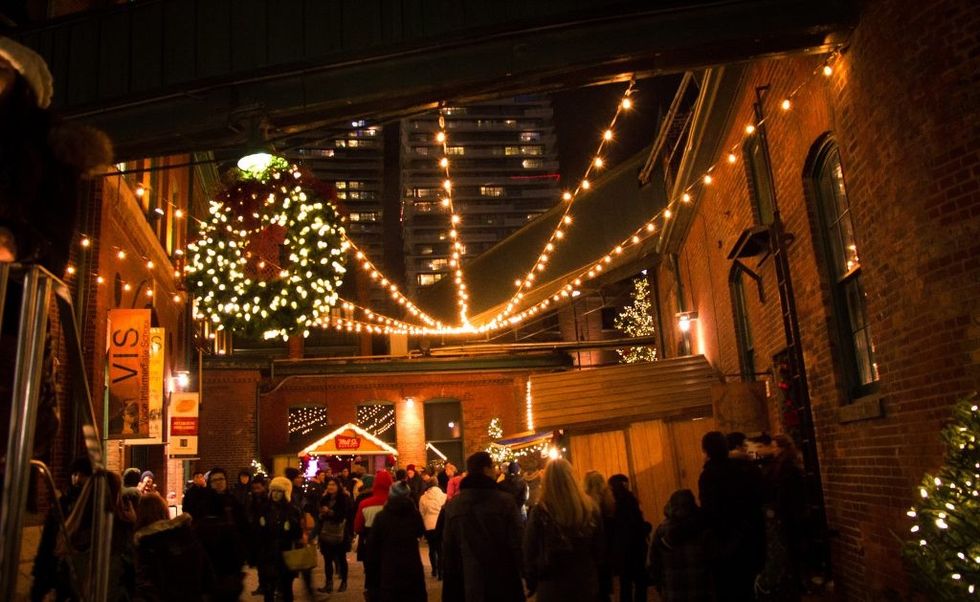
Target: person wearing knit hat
{"type": "Point", "coordinates": [279, 529]}
{"type": "Point", "coordinates": [283, 486]}
{"type": "Point", "coordinates": [367, 511]}
{"type": "Point", "coordinates": [393, 554]}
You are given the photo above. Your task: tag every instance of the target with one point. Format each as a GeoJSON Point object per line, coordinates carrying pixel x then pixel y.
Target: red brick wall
{"type": "Point", "coordinates": [230, 395]}
{"type": "Point", "coordinates": [902, 106]}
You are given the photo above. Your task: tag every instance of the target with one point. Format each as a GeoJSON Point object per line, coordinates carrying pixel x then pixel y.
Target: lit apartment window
{"type": "Point", "coordinates": [355, 185]}
{"type": "Point", "coordinates": [455, 150]}
{"type": "Point", "coordinates": [425, 207]}
{"type": "Point", "coordinates": [341, 185]}
{"type": "Point", "coordinates": [428, 279]}
{"type": "Point", "coordinates": [512, 150]}
{"type": "Point", "coordinates": [366, 216]}
{"type": "Point", "coordinates": [533, 150]}
{"type": "Point", "coordinates": [455, 111]}
{"type": "Point", "coordinates": [421, 150]}
{"type": "Point", "coordinates": [532, 163]}
{"type": "Point", "coordinates": [492, 191]}
{"type": "Point", "coordinates": [439, 264]}
{"type": "Point", "coordinates": [844, 268]}
{"type": "Point", "coordinates": [530, 136]}
{"type": "Point", "coordinates": [425, 250]}
{"type": "Point", "coordinates": [511, 123]}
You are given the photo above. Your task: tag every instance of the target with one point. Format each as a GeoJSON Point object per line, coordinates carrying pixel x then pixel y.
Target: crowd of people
{"type": "Point", "coordinates": [740, 538]}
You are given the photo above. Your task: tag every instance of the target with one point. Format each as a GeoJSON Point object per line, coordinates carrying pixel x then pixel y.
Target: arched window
{"type": "Point", "coordinates": [760, 188]}
{"type": "Point", "coordinates": [840, 247]}
{"type": "Point", "coordinates": [743, 330]}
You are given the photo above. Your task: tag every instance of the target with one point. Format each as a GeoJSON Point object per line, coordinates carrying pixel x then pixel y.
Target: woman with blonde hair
{"type": "Point", "coordinates": [563, 542]}
{"type": "Point", "coordinates": [597, 488]}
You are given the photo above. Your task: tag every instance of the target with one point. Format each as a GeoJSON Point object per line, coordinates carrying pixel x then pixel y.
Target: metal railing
{"type": "Point", "coordinates": [38, 287]}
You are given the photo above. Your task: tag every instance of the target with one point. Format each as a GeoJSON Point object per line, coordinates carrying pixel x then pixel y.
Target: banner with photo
{"type": "Point", "coordinates": [183, 424]}
{"type": "Point", "coordinates": [158, 355]}
{"type": "Point", "coordinates": [129, 374]}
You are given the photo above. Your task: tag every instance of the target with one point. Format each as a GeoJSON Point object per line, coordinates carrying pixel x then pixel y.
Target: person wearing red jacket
{"type": "Point", "coordinates": [364, 519]}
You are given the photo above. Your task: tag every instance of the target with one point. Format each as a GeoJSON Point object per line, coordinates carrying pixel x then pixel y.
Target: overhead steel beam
{"type": "Point", "coordinates": [166, 76]}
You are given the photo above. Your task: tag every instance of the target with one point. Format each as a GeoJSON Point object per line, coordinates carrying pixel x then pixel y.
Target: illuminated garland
{"type": "Point", "coordinates": [270, 259]}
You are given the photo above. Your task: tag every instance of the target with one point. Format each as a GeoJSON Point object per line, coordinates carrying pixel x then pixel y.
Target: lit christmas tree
{"type": "Point", "coordinates": [498, 453]}
{"type": "Point", "coordinates": [636, 320]}
{"type": "Point", "coordinates": [945, 549]}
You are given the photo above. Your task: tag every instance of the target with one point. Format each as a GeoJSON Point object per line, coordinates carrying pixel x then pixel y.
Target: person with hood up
{"type": "Point", "coordinates": [680, 567]}
{"type": "Point", "coordinates": [564, 541]}
{"type": "Point", "coordinates": [515, 485]}
{"type": "Point", "coordinates": [367, 512]}
{"type": "Point", "coordinates": [481, 546]}
{"type": "Point", "coordinates": [280, 529]}
{"type": "Point", "coordinates": [430, 506]}
{"type": "Point", "coordinates": [396, 566]}
{"type": "Point", "coordinates": [130, 489]}
{"type": "Point", "coordinates": [167, 548]}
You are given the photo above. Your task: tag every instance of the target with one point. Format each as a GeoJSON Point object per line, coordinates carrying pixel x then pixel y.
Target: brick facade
{"type": "Point", "coordinates": [902, 106]}
{"type": "Point", "coordinates": [230, 406]}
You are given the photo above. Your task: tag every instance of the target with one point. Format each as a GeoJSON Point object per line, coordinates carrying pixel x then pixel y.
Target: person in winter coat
{"type": "Point", "coordinates": [680, 566]}
{"type": "Point", "coordinates": [281, 529]}
{"type": "Point", "coordinates": [481, 548]}
{"type": "Point", "coordinates": [452, 489]}
{"type": "Point", "coordinates": [414, 481]}
{"type": "Point", "coordinates": [598, 490]}
{"type": "Point", "coordinates": [629, 541]}
{"type": "Point", "coordinates": [445, 475]}
{"type": "Point", "coordinates": [195, 493]}
{"type": "Point", "coordinates": [334, 509]}
{"type": "Point", "coordinates": [394, 550]}
{"type": "Point", "coordinates": [258, 506]}
{"type": "Point", "coordinates": [171, 563]}
{"type": "Point", "coordinates": [306, 505]}
{"type": "Point", "coordinates": [243, 488]}
{"type": "Point", "coordinates": [785, 518]}
{"type": "Point", "coordinates": [223, 530]}
{"type": "Point", "coordinates": [45, 570]}
{"type": "Point", "coordinates": [563, 543]}
{"type": "Point", "coordinates": [367, 511]}
{"type": "Point", "coordinates": [731, 497]}
{"type": "Point", "coordinates": [431, 504]}
{"type": "Point", "coordinates": [514, 484]}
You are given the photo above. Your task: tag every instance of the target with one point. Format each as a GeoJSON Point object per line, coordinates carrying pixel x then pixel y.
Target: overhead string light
{"type": "Point", "coordinates": [363, 263]}
{"type": "Point", "coordinates": [568, 197]}
{"type": "Point", "coordinates": [509, 317]}
{"type": "Point", "coordinates": [121, 254]}
{"type": "Point", "coordinates": [455, 225]}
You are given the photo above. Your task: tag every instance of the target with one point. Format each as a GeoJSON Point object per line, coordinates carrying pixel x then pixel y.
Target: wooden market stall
{"type": "Point", "coordinates": [351, 442]}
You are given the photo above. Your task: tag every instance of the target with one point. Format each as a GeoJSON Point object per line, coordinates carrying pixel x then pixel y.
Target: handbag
{"type": "Point", "coordinates": [300, 559]}
{"type": "Point", "coordinates": [332, 533]}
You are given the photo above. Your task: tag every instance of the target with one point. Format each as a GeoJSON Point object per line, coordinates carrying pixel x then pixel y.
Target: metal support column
{"type": "Point", "coordinates": [23, 416]}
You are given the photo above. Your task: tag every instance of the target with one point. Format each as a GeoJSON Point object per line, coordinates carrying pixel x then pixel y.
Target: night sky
{"type": "Point", "coordinates": [582, 114]}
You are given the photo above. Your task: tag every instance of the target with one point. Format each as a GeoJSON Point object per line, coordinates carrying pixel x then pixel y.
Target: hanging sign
{"type": "Point", "coordinates": [157, 355]}
{"type": "Point", "coordinates": [345, 442]}
{"type": "Point", "coordinates": [183, 424]}
{"type": "Point", "coordinates": [129, 373]}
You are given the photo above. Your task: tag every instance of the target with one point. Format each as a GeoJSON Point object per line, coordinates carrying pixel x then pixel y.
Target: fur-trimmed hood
{"type": "Point", "coordinates": [162, 526]}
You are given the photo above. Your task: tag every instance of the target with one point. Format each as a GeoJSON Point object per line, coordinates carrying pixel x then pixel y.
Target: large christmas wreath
{"type": "Point", "coordinates": [271, 257]}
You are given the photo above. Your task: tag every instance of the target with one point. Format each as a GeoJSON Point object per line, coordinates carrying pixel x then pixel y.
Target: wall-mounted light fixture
{"type": "Point", "coordinates": [684, 319]}
{"type": "Point", "coordinates": [410, 401]}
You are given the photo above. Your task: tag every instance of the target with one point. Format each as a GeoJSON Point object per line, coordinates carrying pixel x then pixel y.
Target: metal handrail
{"type": "Point", "coordinates": [39, 284]}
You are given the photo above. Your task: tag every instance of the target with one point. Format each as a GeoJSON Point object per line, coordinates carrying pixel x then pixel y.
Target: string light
{"type": "Point", "coordinates": [458, 250]}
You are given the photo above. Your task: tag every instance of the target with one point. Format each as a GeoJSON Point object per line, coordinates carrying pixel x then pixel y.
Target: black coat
{"type": "Point", "coordinates": [628, 544]}
{"type": "Point", "coordinates": [171, 563]}
{"type": "Point", "coordinates": [339, 506]}
{"type": "Point", "coordinates": [515, 485]}
{"type": "Point", "coordinates": [481, 548]}
{"type": "Point", "coordinates": [562, 564]}
{"type": "Point", "coordinates": [731, 492]}
{"type": "Point", "coordinates": [394, 552]}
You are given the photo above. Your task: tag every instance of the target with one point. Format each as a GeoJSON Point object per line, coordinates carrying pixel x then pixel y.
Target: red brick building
{"type": "Point", "coordinates": [889, 327]}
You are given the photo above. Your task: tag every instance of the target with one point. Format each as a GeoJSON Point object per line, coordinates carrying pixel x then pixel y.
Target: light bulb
{"type": "Point", "coordinates": [441, 137]}
{"type": "Point", "coordinates": [586, 184]}
{"type": "Point", "coordinates": [750, 129]}
{"type": "Point", "coordinates": [566, 196]}
{"type": "Point", "coordinates": [627, 104]}
{"type": "Point", "coordinates": [731, 157]}
{"type": "Point", "coordinates": [607, 135]}
{"type": "Point", "coordinates": [85, 242]}
{"type": "Point", "coordinates": [149, 263]}
{"type": "Point", "coordinates": [598, 162]}
{"type": "Point", "coordinates": [70, 269]}
{"type": "Point", "coordinates": [686, 197]}
{"type": "Point", "coordinates": [707, 179]}
{"type": "Point", "coordinates": [444, 162]}
{"type": "Point", "coordinates": [121, 254]}
{"type": "Point", "coordinates": [786, 104]}
{"type": "Point", "coordinates": [828, 70]}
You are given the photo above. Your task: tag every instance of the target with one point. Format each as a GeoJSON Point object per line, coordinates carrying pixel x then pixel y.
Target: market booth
{"type": "Point", "coordinates": [349, 444]}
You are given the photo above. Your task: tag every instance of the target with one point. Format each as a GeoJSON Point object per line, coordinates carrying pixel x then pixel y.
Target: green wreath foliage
{"type": "Point", "coordinates": [271, 258]}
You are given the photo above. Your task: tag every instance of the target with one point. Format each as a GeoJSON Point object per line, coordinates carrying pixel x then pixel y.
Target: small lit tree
{"type": "Point", "coordinates": [498, 453]}
{"type": "Point", "coordinates": [636, 320]}
{"type": "Point", "coordinates": [945, 547]}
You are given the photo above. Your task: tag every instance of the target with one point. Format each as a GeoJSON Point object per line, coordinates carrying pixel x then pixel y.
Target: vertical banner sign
{"type": "Point", "coordinates": [157, 355]}
{"type": "Point", "coordinates": [183, 424]}
{"type": "Point", "coordinates": [129, 374]}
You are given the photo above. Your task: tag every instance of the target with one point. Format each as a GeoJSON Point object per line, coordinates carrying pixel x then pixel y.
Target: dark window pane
{"type": "Point", "coordinates": [442, 421]}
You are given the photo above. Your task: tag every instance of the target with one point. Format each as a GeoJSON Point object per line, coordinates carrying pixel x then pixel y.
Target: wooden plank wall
{"type": "Point", "coordinates": [662, 388]}
{"type": "Point", "coordinates": [662, 457]}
